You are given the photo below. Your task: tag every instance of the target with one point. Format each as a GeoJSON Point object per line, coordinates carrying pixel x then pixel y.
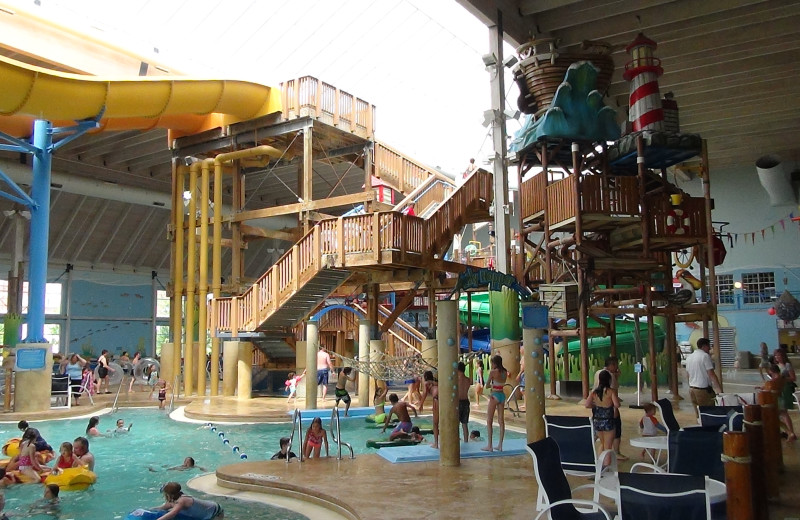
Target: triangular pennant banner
{"type": "Point", "coordinates": [762, 233]}
{"type": "Point", "coordinates": [783, 224]}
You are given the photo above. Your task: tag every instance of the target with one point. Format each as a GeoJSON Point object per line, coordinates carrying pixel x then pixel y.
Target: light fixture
{"type": "Point", "coordinates": [737, 285]}
{"type": "Point", "coordinates": [488, 118]}
{"type": "Point", "coordinates": [511, 114]}
{"type": "Point", "coordinates": [187, 195]}
{"type": "Point", "coordinates": [510, 61]}
{"type": "Point", "coordinates": [489, 60]}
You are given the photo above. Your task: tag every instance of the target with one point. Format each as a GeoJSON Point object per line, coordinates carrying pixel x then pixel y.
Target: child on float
{"type": "Point", "coordinates": [66, 459]}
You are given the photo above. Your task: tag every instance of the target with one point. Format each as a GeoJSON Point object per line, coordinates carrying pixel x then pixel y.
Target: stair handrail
{"type": "Point", "coordinates": [114, 406]}
{"type": "Point", "coordinates": [421, 190]}
{"type": "Point", "coordinates": [336, 433]}
{"type": "Point", "coordinates": [410, 330]}
{"type": "Point", "coordinates": [297, 419]}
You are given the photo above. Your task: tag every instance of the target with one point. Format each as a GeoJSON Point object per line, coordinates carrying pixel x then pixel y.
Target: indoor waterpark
{"type": "Point", "coordinates": [276, 260]}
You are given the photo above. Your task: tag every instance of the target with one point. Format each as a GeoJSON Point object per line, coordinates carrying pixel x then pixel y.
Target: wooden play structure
{"type": "Point", "coordinates": [332, 253]}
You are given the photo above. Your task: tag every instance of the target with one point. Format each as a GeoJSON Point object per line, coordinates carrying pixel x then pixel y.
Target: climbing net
{"type": "Point", "coordinates": [385, 367]}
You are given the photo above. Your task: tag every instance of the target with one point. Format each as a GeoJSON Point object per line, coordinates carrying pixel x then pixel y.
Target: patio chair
{"type": "Point", "coordinates": [655, 496]}
{"type": "Point", "coordinates": [667, 416]}
{"type": "Point", "coordinates": [553, 485]}
{"type": "Point", "coordinates": [718, 415]}
{"type": "Point", "coordinates": [695, 451]}
{"type": "Point", "coordinates": [578, 455]}
{"type": "Point", "coordinates": [59, 391]}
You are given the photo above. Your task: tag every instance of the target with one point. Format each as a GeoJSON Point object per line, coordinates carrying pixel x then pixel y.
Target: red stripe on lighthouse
{"type": "Point", "coordinates": [648, 118]}
{"type": "Point", "coordinates": [645, 90]}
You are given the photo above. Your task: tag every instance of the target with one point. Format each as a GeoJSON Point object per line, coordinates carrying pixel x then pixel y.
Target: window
{"type": "Point", "coordinates": [52, 298]}
{"type": "Point", "coordinates": [52, 335]}
{"type": "Point", "coordinates": [162, 304]}
{"type": "Point", "coordinates": [725, 289]}
{"type": "Point", "coordinates": [162, 336]}
{"type": "Point", "coordinates": [758, 287]}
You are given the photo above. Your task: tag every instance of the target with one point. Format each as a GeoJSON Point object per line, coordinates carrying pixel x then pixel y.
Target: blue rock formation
{"type": "Point", "coordinates": [577, 112]}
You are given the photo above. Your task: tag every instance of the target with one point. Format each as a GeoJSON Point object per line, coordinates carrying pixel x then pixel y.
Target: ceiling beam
{"type": "Point", "coordinates": [132, 239]}
{"type": "Point", "coordinates": [158, 236]}
{"type": "Point", "coordinates": [529, 7]}
{"type": "Point", "coordinates": [66, 227]}
{"type": "Point", "coordinates": [289, 209]}
{"type": "Point", "coordinates": [599, 12]}
{"type": "Point", "coordinates": [89, 233]}
{"type": "Point", "coordinates": [516, 29]}
{"type": "Point", "coordinates": [110, 238]}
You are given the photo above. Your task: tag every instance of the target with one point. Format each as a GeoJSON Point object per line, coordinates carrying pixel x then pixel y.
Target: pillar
{"type": "Point", "coordinates": [32, 387]}
{"type": "Point", "coordinates": [312, 347]}
{"type": "Point", "coordinates": [773, 458]}
{"type": "Point", "coordinates": [430, 352]}
{"type": "Point", "coordinates": [755, 433]}
{"type": "Point", "coordinates": [167, 368]}
{"type": "Point", "coordinates": [363, 354]}
{"type": "Point", "coordinates": [377, 349]}
{"type": "Point", "coordinates": [244, 370]}
{"type": "Point", "coordinates": [738, 475]}
{"type": "Point", "coordinates": [447, 343]}
{"type": "Point", "coordinates": [534, 324]}
{"type": "Point", "coordinates": [230, 363]}
{"type": "Point", "coordinates": [300, 364]}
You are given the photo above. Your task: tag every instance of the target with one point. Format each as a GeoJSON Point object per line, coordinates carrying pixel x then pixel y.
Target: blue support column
{"type": "Point", "coordinates": [40, 229]}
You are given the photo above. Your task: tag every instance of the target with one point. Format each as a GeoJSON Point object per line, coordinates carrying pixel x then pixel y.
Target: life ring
{"type": "Point", "coordinates": [678, 222]}
{"type": "Point", "coordinates": [143, 369]}
{"type": "Point", "coordinates": [11, 447]}
{"type": "Point", "coordinates": [72, 479]}
{"type": "Point", "coordinates": [148, 514]}
{"type": "Point", "coordinates": [115, 377]}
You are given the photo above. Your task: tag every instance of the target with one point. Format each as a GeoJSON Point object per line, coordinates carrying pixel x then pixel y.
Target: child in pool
{"type": "Point", "coordinates": [28, 461]}
{"type": "Point", "coordinates": [315, 437]}
{"type": "Point", "coordinates": [48, 504]}
{"type": "Point", "coordinates": [121, 427]}
{"type": "Point", "coordinates": [66, 459]}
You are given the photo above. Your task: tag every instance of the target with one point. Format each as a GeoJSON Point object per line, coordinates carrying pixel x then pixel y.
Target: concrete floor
{"type": "Point", "coordinates": [370, 487]}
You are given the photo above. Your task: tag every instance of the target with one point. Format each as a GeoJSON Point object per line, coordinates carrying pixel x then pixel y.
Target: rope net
{"type": "Point", "coordinates": [385, 367]}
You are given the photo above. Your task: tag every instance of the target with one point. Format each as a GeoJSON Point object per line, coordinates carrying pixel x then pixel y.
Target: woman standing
{"type": "Point", "coordinates": [497, 379]}
{"type": "Point", "coordinates": [73, 367]}
{"type": "Point", "coordinates": [604, 401]}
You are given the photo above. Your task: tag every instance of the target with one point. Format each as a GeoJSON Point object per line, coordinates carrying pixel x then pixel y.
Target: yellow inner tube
{"type": "Point", "coordinates": [11, 447]}
{"type": "Point", "coordinates": [72, 479]}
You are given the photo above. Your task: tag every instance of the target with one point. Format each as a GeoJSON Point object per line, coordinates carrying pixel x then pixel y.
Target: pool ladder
{"type": "Point", "coordinates": [297, 426]}
{"type": "Point", "coordinates": [337, 434]}
{"type": "Point", "coordinates": [512, 403]}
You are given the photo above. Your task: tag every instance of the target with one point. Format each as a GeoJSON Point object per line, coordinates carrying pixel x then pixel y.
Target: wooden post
{"type": "Point", "coordinates": [755, 432]}
{"type": "Point", "coordinates": [469, 321]}
{"type": "Point", "coordinates": [651, 340]}
{"type": "Point", "coordinates": [738, 475]}
{"type": "Point", "coordinates": [712, 275]}
{"type": "Point", "coordinates": [368, 167]}
{"type": "Point", "coordinates": [548, 274]}
{"type": "Point", "coordinates": [672, 357]}
{"type": "Point", "coordinates": [772, 442]}
{"type": "Point", "coordinates": [308, 170]}
{"type": "Point", "coordinates": [642, 170]}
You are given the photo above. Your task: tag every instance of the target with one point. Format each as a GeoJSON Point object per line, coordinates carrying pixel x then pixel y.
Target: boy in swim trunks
{"type": "Point", "coordinates": [341, 388]}
{"type": "Point", "coordinates": [463, 399]}
{"type": "Point", "coordinates": [400, 409]}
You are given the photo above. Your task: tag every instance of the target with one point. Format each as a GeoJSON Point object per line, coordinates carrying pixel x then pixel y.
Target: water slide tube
{"type": "Point", "coordinates": [181, 104]}
{"type": "Point", "coordinates": [600, 346]}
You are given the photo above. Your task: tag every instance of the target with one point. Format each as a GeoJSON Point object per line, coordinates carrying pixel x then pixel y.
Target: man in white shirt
{"type": "Point", "coordinates": [703, 380]}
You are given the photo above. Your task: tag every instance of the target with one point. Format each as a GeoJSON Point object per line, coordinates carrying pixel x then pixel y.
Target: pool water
{"type": "Point", "coordinates": [131, 467]}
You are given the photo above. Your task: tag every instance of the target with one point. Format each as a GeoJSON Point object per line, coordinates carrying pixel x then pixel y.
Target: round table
{"type": "Point", "coordinates": [656, 443]}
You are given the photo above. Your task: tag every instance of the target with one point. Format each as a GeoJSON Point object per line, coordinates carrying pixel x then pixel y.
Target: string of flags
{"type": "Point", "coordinates": [766, 232]}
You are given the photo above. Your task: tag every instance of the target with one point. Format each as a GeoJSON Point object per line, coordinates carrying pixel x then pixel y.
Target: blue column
{"type": "Point", "coordinates": [40, 229]}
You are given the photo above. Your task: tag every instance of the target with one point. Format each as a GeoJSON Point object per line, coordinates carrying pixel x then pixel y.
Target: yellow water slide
{"type": "Point", "coordinates": [181, 104]}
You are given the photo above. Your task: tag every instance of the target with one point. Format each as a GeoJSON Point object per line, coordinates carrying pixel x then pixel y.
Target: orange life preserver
{"type": "Point", "coordinates": [678, 222]}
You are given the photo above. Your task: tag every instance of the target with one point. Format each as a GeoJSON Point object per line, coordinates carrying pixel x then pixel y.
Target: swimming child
{"type": "Point", "coordinates": [48, 504]}
{"type": "Point", "coordinates": [284, 451]}
{"type": "Point", "coordinates": [121, 428]}
{"type": "Point", "coordinates": [341, 388]}
{"type": "Point", "coordinates": [91, 428]}
{"type": "Point", "coordinates": [162, 387]}
{"type": "Point", "coordinates": [475, 436]}
{"type": "Point", "coordinates": [315, 437]}
{"type": "Point", "coordinates": [188, 507]}
{"type": "Point", "coordinates": [291, 385]}
{"type": "Point", "coordinates": [66, 459]}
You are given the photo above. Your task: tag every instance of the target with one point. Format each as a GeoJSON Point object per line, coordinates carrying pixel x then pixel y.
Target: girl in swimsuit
{"type": "Point", "coordinates": [67, 459]}
{"type": "Point", "coordinates": [432, 387]}
{"type": "Point", "coordinates": [315, 437]}
{"type": "Point", "coordinates": [28, 462]}
{"type": "Point", "coordinates": [497, 379]}
{"type": "Point", "coordinates": [479, 381]}
{"type": "Point", "coordinates": [603, 401]}
{"type": "Point", "coordinates": [91, 428]}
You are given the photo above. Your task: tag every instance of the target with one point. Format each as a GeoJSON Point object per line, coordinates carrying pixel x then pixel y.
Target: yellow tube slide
{"type": "Point", "coordinates": [185, 105]}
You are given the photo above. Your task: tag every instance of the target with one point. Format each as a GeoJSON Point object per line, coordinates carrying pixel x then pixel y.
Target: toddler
{"type": "Point", "coordinates": [649, 424]}
{"type": "Point", "coordinates": [291, 385]}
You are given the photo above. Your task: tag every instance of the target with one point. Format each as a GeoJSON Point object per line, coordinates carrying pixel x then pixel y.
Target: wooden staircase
{"type": "Point", "coordinates": [403, 339]}
{"type": "Point", "coordinates": [323, 260]}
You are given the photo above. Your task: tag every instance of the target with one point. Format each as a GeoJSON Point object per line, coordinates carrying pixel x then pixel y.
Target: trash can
{"type": "Point", "coordinates": [744, 357]}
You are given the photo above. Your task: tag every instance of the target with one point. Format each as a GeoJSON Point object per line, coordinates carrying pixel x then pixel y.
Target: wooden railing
{"type": "Point", "coordinates": [403, 173]}
{"type": "Point", "coordinates": [532, 195]}
{"type": "Point", "coordinates": [349, 242]}
{"type": "Point", "coordinates": [659, 208]}
{"type": "Point", "coordinates": [309, 96]}
{"type": "Point", "coordinates": [605, 195]}
{"type": "Point", "coordinates": [404, 339]}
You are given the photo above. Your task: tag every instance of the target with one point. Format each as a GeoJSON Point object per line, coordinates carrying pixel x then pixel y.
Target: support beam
{"type": "Point", "coordinates": [288, 209]}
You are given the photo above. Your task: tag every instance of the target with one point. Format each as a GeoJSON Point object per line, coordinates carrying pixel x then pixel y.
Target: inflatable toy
{"type": "Point", "coordinates": [143, 369]}
{"type": "Point", "coordinates": [72, 479]}
{"type": "Point", "coordinates": [153, 514]}
{"type": "Point", "coordinates": [382, 443]}
{"type": "Point", "coordinates": [11, 447]}
{"type": "Point", "coordinates": [115, 377]}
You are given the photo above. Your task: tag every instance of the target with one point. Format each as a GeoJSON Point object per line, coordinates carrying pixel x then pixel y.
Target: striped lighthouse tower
{"type": "Point", "coordinates": [643, 71]}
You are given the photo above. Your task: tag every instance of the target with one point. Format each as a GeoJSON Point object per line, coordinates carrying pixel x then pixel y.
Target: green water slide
{"type": "Point", "coordinates": [598, 346]}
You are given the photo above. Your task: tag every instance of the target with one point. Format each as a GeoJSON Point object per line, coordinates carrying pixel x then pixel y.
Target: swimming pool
{"type": "Point", "coordinates": [131, 467]}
